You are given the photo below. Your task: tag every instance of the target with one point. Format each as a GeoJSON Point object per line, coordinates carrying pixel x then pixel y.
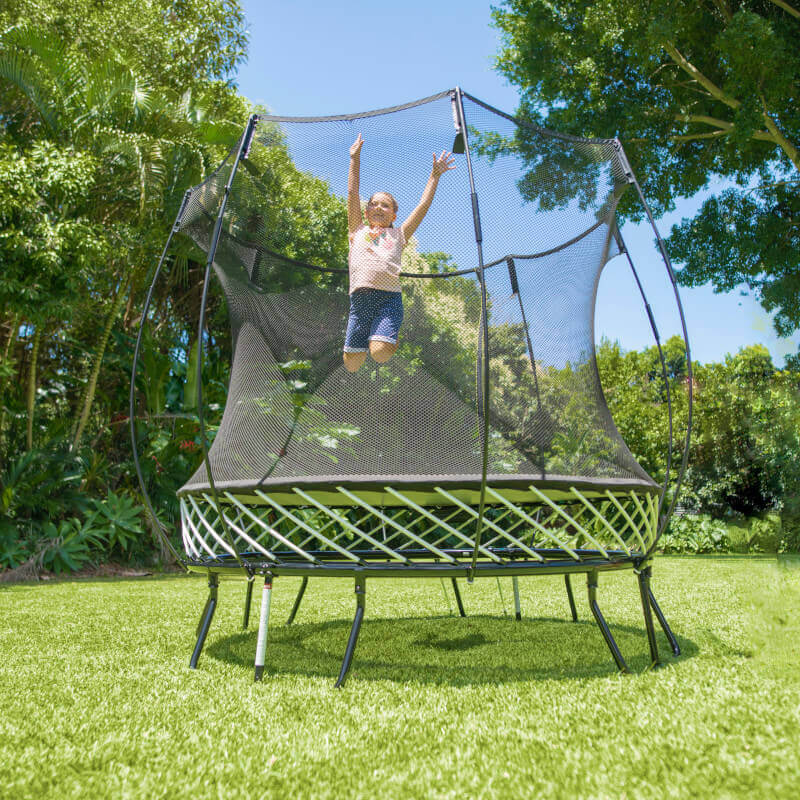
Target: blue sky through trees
{"type": "Point", "coordinates": [310, 58]}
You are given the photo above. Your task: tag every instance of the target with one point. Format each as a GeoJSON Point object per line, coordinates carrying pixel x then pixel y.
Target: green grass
{"type": "Point", "coordinates": [98, 699]}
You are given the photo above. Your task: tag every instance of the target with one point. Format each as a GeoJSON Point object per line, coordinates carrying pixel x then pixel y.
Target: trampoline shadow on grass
{"type": "Point", "coordinates": [455, 651]}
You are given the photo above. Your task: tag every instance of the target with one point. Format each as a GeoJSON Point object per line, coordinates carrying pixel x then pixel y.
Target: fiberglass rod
{"type": "Point", "coordinates": [654, 328]}
{"type": "Point", "coordinates": [244, 144]}
{"type": "Point", "coordinates": [132, 399]}
{"type": "Point", "coordinates": [484, 405]}
{"type": "Point", "coordinates": [690, 380]}
{"type": "Point", "coordinates": [512, 270]}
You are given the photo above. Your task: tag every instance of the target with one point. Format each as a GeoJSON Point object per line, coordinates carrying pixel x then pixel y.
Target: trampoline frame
{"type": "Point", "coordinates": [215, 518]}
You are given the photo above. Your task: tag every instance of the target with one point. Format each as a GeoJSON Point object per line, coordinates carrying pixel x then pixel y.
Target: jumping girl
{"type": "Point", "coordinates": [376, 246]}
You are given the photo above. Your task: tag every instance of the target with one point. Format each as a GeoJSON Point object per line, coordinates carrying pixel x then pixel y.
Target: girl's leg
{"type": "Point", "coordinates": [380, 351]}
{"type": "Point", "coordinates": [362, 305]}
{"type": "Point", "coordinates": [386, 328]}
{"type": "Point", "coordinates": [354, 361]}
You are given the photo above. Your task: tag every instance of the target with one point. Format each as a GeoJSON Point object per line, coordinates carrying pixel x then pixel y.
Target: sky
{"type": "Point", "coordinates": [323, 58]}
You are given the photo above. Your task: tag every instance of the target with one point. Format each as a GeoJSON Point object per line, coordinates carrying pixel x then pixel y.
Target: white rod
{"type": "Point", "coordinates": [263, 624]}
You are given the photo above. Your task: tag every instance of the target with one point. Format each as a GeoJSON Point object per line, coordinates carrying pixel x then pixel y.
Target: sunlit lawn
{"type": "Point", "coordinates": [98, 699]}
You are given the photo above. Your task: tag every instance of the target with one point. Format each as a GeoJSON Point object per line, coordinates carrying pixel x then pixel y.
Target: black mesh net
{"type": "Point", "coordinates": [294, 412]}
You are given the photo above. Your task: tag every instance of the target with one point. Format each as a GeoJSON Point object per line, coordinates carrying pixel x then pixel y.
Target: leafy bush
{"type": "Point", "coordinates": [695, 534]}
{"type": "Point", "coordinates": [116, 521]}
{"type": "Point", "coordinates": [68, 547]}
{"type": "Point", "coordinates": [48, 521]}
{"type": "Point", "coordinates": [790, 538]}
{"type": "Point", "coordinates": [765, 534]}
{"type": "Point", "coordinates": [39, 486]}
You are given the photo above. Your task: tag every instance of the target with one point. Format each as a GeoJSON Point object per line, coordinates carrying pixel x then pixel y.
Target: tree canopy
{"type": "Point", "coordinates": [695, 91]}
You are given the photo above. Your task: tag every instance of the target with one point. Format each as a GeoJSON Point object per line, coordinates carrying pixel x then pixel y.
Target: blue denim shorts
{"type": "Point", "coordinates": [374, 314]}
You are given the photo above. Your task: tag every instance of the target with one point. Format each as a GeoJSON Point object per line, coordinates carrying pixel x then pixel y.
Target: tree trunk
{"type": "Point", "coordinates": [91, 385]}
{"type": "Point", "coordinates": [13, 330]}
{"type": "Point", "coordinates": [32, 385]}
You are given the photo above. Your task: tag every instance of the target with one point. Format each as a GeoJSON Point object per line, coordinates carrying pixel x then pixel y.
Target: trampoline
{"type": "Point", "coordinates": [484, 446]}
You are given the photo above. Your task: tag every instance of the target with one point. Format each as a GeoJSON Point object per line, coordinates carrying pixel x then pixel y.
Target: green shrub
{"type": "Point", "coordinates": [739, 536]}
{"type": "Point", "coordinates": [695, 534]}
{"type": "Point", "coordinates": [765, 534]}
{"type": "Point", "coordinates": [790, 537]}
{"type": "Point", "coordinates": [68, 547]}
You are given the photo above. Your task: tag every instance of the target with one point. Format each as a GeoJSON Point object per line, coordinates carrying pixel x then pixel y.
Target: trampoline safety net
{"type": "Point", "coordinates": [545, 208]}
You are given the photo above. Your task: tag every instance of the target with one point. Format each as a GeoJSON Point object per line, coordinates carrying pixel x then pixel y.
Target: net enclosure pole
{"type": "Point", "coordinates": [483, 345]}
{"type": "Point", "coordinates": [132, 397]}
{"type": "Point", "coordinates": [243, 149]}
{"type": "Point", "coordinates": [623, 159]}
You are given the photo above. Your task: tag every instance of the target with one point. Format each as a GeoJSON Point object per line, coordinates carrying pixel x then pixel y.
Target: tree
{"type": "Point", "coordinates": [746, 440]}
{"type": "Point", "coordinates": [179, 44]}
{"type": "Point", "coordinates": [144, 139]}
{"type": "Point", "coordinates": [694, 91]}
{"type": "Point", "coordinates": [48, 242]}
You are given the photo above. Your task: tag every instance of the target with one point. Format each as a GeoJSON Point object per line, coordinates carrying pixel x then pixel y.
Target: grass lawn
{"type": "Point", "coordinates": [98, 700]}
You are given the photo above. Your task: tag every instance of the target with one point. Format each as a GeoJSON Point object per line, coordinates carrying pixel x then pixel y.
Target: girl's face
{"type": "Point", "coordinates": [381, 210]}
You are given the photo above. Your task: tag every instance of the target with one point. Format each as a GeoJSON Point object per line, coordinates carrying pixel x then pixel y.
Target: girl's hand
{"type": "Point", "coordinates": [442, 164]}
{"type": "Point", "coordinates": [355, 148]}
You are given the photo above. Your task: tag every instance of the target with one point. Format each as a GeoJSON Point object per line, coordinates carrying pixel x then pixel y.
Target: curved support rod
{"type": "Point", "coordinates": [571, 598]}
{"type": "Point", "coordinates": [132, 397]}
{"type": "Point", "coordinates": [689, 377]}
{"type": "Point", "coordinates": [517, 606]}
{"type": "Point", "coordinates": [664, 376]}
{"type": "Point", "coordinates": [205, 618]}
{"type": "Point", "coordinates": [297, 600]}
{"type": "Point", "coordinates": [361, 590]}
{"type": "Point", "coordinates": [482, 373]}
{"type": "Point", "coordinates": [244, 145]}
{"type": "Point", "coordinates": [591, 582]}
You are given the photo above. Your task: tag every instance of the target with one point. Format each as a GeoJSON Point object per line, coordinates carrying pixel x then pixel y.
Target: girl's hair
{"type": "Point", "coordinates": [390, 196]}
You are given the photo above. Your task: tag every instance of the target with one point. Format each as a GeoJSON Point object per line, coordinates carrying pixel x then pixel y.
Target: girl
{"type": "Point", "coordinates": [376, 304]}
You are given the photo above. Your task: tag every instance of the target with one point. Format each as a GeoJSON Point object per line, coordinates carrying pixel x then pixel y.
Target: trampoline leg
{"type": "Point", "coordinates": [205, 618]}
{"type": "Point", "coordinates": [571, 598]}
{"type": "Point", "coordinates": [673, 642]}
{"type": "Point", "coordinates": [644, 587]}
{"type": "Point", "coordinates": [361, 589]}
{"type": "Point", "coordinates": [297, 600]}
{"type": "Point", "coordinates": [248, 601]}
{"type": "Point", "coordinates": [517, 607]}
{"type": "Point", "coordinates": [263, 624]}
{"type": "Point", "coordinates": [591, 582]}
{"type": "Point", "coordinates": [457, 593]}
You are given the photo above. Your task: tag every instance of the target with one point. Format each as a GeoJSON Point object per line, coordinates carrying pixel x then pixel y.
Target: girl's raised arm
{"type": "Point", "coordinates": [441, 164]}
{"type": "Point", "coordinates": [354, 220]}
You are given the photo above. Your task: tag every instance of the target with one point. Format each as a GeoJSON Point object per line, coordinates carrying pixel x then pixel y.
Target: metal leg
{"type": "Point", "coordinates": [571, 598]}
{"type": "Point", "coordinates": [502, 600]}
{"type": "Point", "coordinates": [517, 607]}
{"type": "Point", "coordinates": [644, 592]}
{"type": "Point", "coordinates": [205, 618]}
{"type": "Point", "coordinates": [673, 642]}
{"type": "Point", "coordinates": [591, 582]}
{"type": "Point", "coordinates": [457, 593]}
{"type": "Point", "coordinates": [361, 589]}
{"type": "Point", "coordinates": [297, 600]}
{"type": "Point", "coordinates": [248, 601]}
{"type": "Point", "coordinates": [446, 597]}
{"type": "Point", "coordinates": [263, 624]}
